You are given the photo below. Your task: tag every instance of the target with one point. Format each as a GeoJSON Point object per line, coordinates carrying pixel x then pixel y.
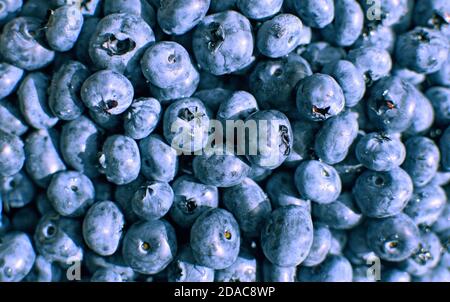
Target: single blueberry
{"type": "Point", "coordinates": [10, 77]}
{"type": "Point", "coordinates": [422, 159]}
{"type": "Point", "coordinates": [279, 36]}
{"type": "Point", "coordinates": [149, 247]}
{"type": "Point", "coordinates": [191, 199]}
{"type": "Point", "coordinates": [319, 97]}
{"type": "Point", "coordinates": [63, 27]}
{"type": "Point", "coordinates": [375, 63]}
{"type": "Point", "coordinates": [380, 151]}
{"type": "Point", "coordinates": [315, 13]}
{"type": "Point", "coordinates": [107, 91]}
{"type": "Point", "coordinates": [142, 117]}
{"type": "Point", "coordinates": [152, 200]}
{"type": "Point", "coordinates": [440, 99]}
{"type": "Point", "coordinates": [12, 154]}
{"type": "Point", "coordinates": [383, 194]}
{"type": "Point", "coordinates": [427, 204]}
{"type": "Point", "coordinates": [259, 9]}
{"type": "Point", "coordinates": [287, 236]}
{"type": "Point", "coordinates": [215, 239]}
{"type": "Point", "coordinates": [11, 120]}
{"type": "Point", "coordinates": [347, 24]}
{"type": "Point", "coordinates": [317, 181]}
{"type": "Point", "coordinates": [17, 256]}
{"type": "Point", "coordinates": [394, 238]}
{"type": "Point", "coordinates": [221, 36]}
{"type": "Point", "coordinates": [320, 246]}
{"type": "Point", "coordinates": [102, 227]}
{"type": "Point", "coordinates": [80, 144]}
{"type": "Point", "coordinates": [33, 101]}
{"type": "Point", "coordinates": [21, 44]}
{"type": "Point", "coordinates": [120, 159]}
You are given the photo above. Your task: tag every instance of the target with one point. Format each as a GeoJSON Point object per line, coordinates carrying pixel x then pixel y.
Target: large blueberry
{"type": "Point", "coordinates": [177, 17]}
{"type": "Point", "coordinates": [152, 200]}
{"type": "Point", "coordinates": [287, 236]}
{"type": "Point", "coordinates": [63, 27]}
{"type": "Point", "coordinates": [16, 256]}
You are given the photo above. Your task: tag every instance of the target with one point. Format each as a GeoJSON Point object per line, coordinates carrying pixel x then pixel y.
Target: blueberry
{"type": "Point", "coordinates": [275, 273]}
{"type": "Point", "coordinates": [334, 139]}
{"type": "Point", "coordinates": [259, 9]}
{"type": "Point", "coordinates": [159, 160]}
{"type": "Point", "coordinates": [184, 89]}
{"type": "Point", "coordinates": [16, 256]}
{"type": "Point", "coordinates": [249, 204]}
{"type": "Point", "coordinates": [80, 143]}
{"type": "Point", "coordinates": [341, 214]}
{"type": "Point", "coordinates": [140, 8]}
{"type": "Point", "coordinates": [215, 239]}
{"type": "Point", "coordinates": [335, 268]}
{"type": "Point", "coordinates": [238, 106]}
{"type": "Point", "coordinates": [395, 275]}
{"type": "Point", "coordinates": [106, 275]}
{"type": "Point", "coordinates": [350, 78]}
{"type": "Point", "coordinates": [280, 188]}
{"type": "Point", "coordinates": [223, 35]}
{"type": "Point", "coordinates": [152, 200]}
{"type": "Point", "coordinates": [10, 77]}
{"type": "Point", "coordinates": [149, 247]}
{"type": "Point", "coordinates": [304, 133]}
{"type": "Point", "coordinates": [440, 99]}
{"type": "Point", "coordinates": [180, 16]}
{"type": "Point", "coordinates": [58, 239]}
{"type": "Point", "coordinates": [9, 9]}
{"type": "Point", "coordinates": [380, 151]}
{"type": "Point", "coordinates": [42, 156]}
{"type": "Point", "coordinates": [12, 155]}
{"type": "Point", "coordinates": [22, 44]}
{"type": "Point", "coordinates": [317, 181]}
{"type": "Point", "coordinates": [271, 143]}
{"type": "Point", "coordinates": [425, 257]}
{"type": "Point", "coordinates": [390, 105]}
{"type": "Point", "coordinates": [422, 159]}
{"type": "Point", "coordinates": [379, 36]}
{"type": "Point", "coordinates": [186, 269]}
{"type": "Point", "coordinates": [71, 193]}
{"type": "Point", "coordinates": [191, 199]}
{"type": "Point", "coordinates": [17, 191]}
{"type": "Point", "coordinates": [426, 204]}
{"type": "Point", "coordinates": [424, 114]}
{"type": "Point", "coordinates": [119, 42]}
{"type": "Point", "coordinates": [244, 269]}
{"type": "Point", "coordinates": [64, 98]}
{"type": "Point", "coordinates": [445, 149]}
{"type": "Point", "coordinates": [107, 91]}
{"type": "Point", "coordinates": [33, 101]}
{"type": "Point", "coordinates": [317, 14]}
{"type": "Point", "coordinates": [320, 246]}
{"type": "Point", "coordinates": [120, 159]}
{"type": "Point", "coordinates": [287, 236]}
{"type": "Point", "coordinates": [81, 48]}
{"type": "Point", "coordinates": [321, 53]}
{"type": "Point", "coordinates": [422, 49]}
{"type": "Point", "coordinates": [142, 117]}
{"type": "Point", "coordinates": [11, 120]}
{"type": "Point", "coordinates": [63, 27]}
{"type": "Point", "coordinates": [383, 194]}
{"type": "Point", "coordinates": [273, 82]}
{"type": "Point", "coordinates": [279, 36]}
{"type": "Point", "coordinates": [102, 227]}
{"type": "Point", "coordinates": [319, 97]}
{"type": "Point", "coordinates": [373, 62]}
{"type": "Point", "coordinates": [394, 238]}
{"type": "Point", "coordinates": [347, 24]}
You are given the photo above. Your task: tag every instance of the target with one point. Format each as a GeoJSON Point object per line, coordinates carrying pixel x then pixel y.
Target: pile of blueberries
{"type": "Point", "coordinates": [95, 187]}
